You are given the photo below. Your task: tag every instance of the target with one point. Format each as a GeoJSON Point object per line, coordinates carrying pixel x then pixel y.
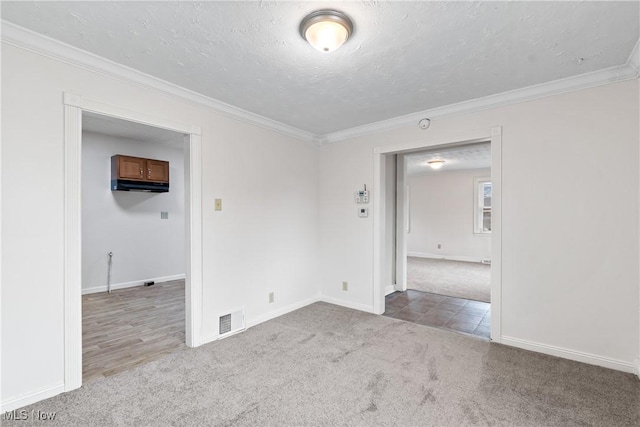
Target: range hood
{"type": "Point", "coordinates": [147, 187]}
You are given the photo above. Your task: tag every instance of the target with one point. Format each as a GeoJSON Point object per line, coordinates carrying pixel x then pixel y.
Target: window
{"type": "Point", "coordinates": [482, 206]}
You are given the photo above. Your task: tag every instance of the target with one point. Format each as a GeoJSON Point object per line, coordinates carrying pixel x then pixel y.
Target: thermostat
{"type": "Point", "coordinates": [362, 196]}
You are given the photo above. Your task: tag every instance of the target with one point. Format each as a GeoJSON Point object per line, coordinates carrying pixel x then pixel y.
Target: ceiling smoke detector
{"type": "Point", "coordinates": [424, 123]}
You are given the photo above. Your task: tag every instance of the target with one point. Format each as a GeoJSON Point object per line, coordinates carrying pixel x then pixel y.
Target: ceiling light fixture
{"type": "Point", "coordinates": [435, 164]}
{"type": "Point", "coordinates": [326, 30]}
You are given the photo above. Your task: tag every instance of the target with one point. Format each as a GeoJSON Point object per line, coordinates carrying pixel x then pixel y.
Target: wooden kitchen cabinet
{"type": "Point", "coordinates": [139, 169]}
{"type": "Point", "coordinates": [157, 170]}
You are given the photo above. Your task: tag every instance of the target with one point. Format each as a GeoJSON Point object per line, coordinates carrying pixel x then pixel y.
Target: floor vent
{"type": "Point", "coordinates": [230, 323]}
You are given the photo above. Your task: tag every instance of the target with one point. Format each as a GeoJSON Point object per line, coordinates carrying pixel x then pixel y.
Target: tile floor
{"type": "Point", "coordinates": [424, 308]}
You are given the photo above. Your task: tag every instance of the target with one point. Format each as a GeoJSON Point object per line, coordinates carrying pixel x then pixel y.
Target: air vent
{"type": "Point", "coordinates": [230, 323]}
{"type": "Point", "coordinates": [225, 324]}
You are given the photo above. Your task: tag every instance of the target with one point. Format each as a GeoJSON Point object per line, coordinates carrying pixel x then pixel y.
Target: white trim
{"type": "Point", "coordinates": [27, 399]}
{"type": "Point", "coordinates": [620, 73]}
{"type": "Point", "coordinates": [477, 218]}
{"type": "Point", "coordinates": [280, 311]}
{"type": "Point", "coordinates": [72, 248]}
{"type": "Point", "coordinates": [450, 171]}
{"type": "Point", "coordinates": [348, 304]}
{"type": "Point", "coordinates": [73, 108]}
{"type": "Point", "coordinates": [495, 136]}
{"type": "Point", "coordinates": [447, 257]}
{"type": "Point", "coordinates": [230, 334]}
{"type": "Point", "coordinates": [496, 234]}
{"type": "Point", "coordinates": [389, 289]}
{"type": "Point", "coordinates": [133, 284]}
{"type": "Point", "coordinates": [1, 222]}
{"type": "Point", "coordinates": [23, 38]}
{"type": "Point", "coordinates": [634, 58]}
{"type": "Point", "coordinates": [379, 221]}
{"type": "Point", "coordinates": [566, 353]}
{"type": "Point", "coordinates": [193, 205]}
{"type": "Point", "coordinates": [268, 316]}
{"type": "Point", "coordinates": [403, 220]}
{"type": "Point", "coordinates": [92, 106]}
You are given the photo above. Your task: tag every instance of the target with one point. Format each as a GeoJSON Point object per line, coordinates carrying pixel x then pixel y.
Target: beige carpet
{"type": "Point", "coordinates": [325, 365]}
{"type": "Point", "coordinates": [469, 280]}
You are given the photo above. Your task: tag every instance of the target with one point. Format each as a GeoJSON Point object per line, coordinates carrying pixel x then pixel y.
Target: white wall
{"type": "Point", "coordinates": [263, 239]}
{"type": "Point", "coordinates": [441, 210]}
{"type": "Point", "coordinates": [288, 225]}
{"type": "Point", "coordinates": [128, 224]}
{"type": "Point", "coordinates": [570, 268]}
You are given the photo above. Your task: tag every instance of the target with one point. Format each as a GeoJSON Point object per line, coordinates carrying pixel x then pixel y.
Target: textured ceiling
{"type": "Point", "coordinates": [475, 156]}
{"type": "Point", "coordinates": [111, 126]}
{"type": "Point", "coordinates": [404, 57]}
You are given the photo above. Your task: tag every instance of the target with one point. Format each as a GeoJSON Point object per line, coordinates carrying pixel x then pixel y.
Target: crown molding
{"type": "Point", "coordinates": [23, 38]}
{"type": "Point", "coordinates": [628, 71]}
{"type": "Point", "coordinates": [46, 46]}
{"type": "Point", "coordinates": [634, 58]}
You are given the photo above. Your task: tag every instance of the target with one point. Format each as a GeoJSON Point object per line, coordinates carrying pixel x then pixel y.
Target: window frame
{"type": "Point", "coordinates": [478, 205]}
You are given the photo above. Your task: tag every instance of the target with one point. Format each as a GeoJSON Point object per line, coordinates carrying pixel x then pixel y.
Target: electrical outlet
{"type": "Point", "coordinates": [271, 297]}
{"type": "Point", "coordinates": [439, 245]}
{"type": "Point", "coordinates": [345, 286]}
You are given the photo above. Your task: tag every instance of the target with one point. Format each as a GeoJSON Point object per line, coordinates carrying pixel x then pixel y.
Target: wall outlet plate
{"type": "Point", "coordinates": [345, 286]}
{"type": "Point", "coordinates": [272, 297]}
{"type": "Point", "coordinates": [218, 204]}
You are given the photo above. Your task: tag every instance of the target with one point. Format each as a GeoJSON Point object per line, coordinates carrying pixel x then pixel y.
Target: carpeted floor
{"type": "Point", "coordinates": [328, 365]}
{"type": "Point", "coordinates": [468, 280]}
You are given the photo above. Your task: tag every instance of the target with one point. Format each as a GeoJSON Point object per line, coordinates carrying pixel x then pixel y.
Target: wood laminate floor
{"type": "Point", "coordinates": [130, 327]}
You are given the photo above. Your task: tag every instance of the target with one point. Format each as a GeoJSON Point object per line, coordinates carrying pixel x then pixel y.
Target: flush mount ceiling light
{"type": "Point", "coordinates": [435, 164]}
{"type": "Point", "coordinates": [326, 30]}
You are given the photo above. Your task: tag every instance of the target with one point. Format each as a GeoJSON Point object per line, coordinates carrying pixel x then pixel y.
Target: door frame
{"type": "Point", "coordinates": [74, 106]}
{"type": "Point", "coordinates": [494, 135]}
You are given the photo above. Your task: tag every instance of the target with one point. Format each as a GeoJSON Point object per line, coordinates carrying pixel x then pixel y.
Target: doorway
{"type": "Point", "coordinates": [74, 107]}
{"type": "Point", "coordinates": [133, 244]}
{"type": "Point", "coordinates": [447, 233]}
{"type": "Point", "coordinates": [399, 282]}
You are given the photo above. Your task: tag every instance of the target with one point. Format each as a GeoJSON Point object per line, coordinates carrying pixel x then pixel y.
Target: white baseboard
{"type": "Point", "coordinates": [347, 304]}
{"type": "Point", "coordinates": [103, 288]}
{"type": "Point", "coordinates": [268, 316]}
{"type": "Point", "coordinates": [447, 257]}
{"type": "Point", "coordinates": [565, 353]}
{"type": "Point", "coordinates": [279, 312]}
{"type": "Point", "coordinates": [28, 399]}
{"type": "Point", "coordinates": [292, 307]}
{"type": "Point", "coordinates": [389, 290]}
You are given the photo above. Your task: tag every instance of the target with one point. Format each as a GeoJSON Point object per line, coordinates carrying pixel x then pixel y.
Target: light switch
{"type": "Point", "coordinates": [218, 204]}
